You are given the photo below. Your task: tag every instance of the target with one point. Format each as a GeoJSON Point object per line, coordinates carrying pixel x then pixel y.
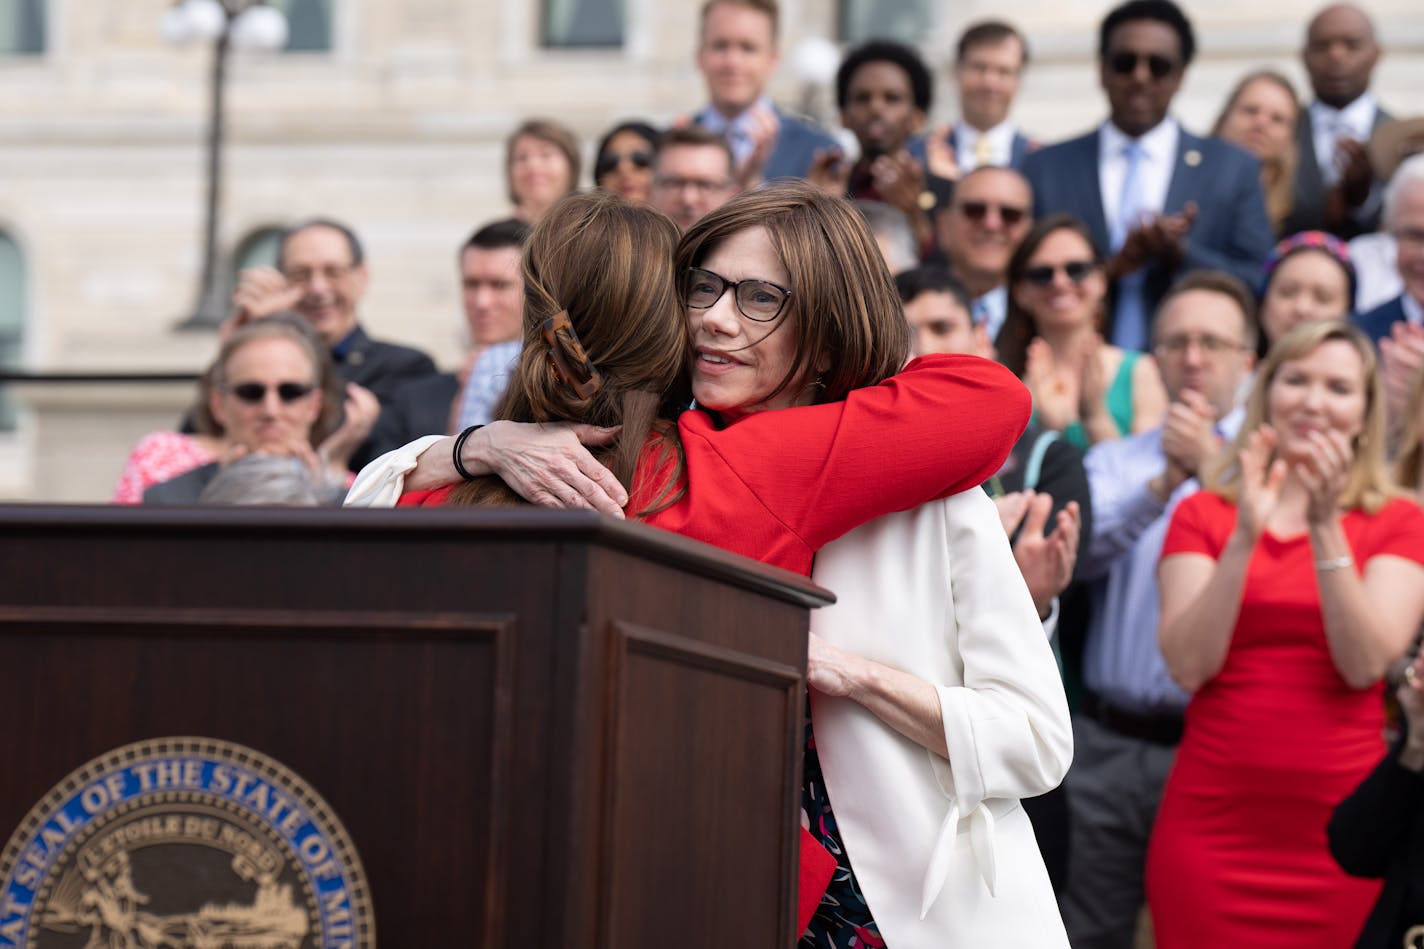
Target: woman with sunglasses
{"type": "Point", "coordinates": [624, 165]}
{"type": "Point", "coordinates": [804, 429]}
{"type": "Point", "coordinates": [1052, 339]}
{"type": "Point", "coordinates": [273, 391]}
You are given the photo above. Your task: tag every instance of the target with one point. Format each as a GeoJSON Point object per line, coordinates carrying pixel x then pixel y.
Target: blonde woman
{"type": "Point", "coordinates": [1288, 586]}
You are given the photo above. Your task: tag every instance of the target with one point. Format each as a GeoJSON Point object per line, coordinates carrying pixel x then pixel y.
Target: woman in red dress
{"type": "Point", "coordinates": [1288, 586]}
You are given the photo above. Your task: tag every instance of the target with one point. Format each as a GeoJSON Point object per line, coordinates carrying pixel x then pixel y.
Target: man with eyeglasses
{"type": "Point", "coordinates": [988, 64]}
{"type": "Point", "coordinates": [321, 273]}
{"type": "Point", "coordinates": [987, 218]}
{"type": "Point", "coordinates": [1130, 718]}
{"type": "Point", "coordinates": [1159, 201]}
{"type": "Point", "coordinates": [692, 174]}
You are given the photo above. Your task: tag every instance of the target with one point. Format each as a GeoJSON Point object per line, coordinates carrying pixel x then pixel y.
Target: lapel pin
{"type": "Point", "coordinates": [1192, 158]}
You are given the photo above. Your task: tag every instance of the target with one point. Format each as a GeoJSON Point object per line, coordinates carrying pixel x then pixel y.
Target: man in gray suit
{"type": "Point", "coordinates": [1335, 188]}
{"type": "Point", "coordinates": [736, 54]}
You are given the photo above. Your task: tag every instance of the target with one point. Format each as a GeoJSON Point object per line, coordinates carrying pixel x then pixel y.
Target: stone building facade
{"type": "Point", "coordinates": [395, 124]}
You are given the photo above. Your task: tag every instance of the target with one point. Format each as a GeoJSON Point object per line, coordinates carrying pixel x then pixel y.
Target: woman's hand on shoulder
{"type": "Point", "coordinates": [547, 464]}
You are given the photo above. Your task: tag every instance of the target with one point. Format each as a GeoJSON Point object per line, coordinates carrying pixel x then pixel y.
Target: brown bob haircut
{"type": "Point", "coordinates": [608, 264]}
{"type": "Point", "coordinates": [843, 308]}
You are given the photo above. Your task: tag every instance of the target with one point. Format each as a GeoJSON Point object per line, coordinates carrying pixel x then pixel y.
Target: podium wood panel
{"type": "Point", "coordinates": [540, 729]}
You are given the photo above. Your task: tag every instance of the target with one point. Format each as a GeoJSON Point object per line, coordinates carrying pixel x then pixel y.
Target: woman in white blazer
{"type": "Point", "coordinates": [936, 705]}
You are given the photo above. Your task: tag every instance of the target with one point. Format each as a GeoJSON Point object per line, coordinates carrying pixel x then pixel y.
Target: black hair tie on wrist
{"type": "Point", "coordinates": [460, 444]}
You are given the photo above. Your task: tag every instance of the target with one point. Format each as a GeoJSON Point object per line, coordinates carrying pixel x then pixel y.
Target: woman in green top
{"type": "Point", "coordinates": [1082, 386]}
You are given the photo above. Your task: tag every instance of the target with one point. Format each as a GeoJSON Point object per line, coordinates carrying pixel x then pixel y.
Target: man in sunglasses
{"type": "Point", "coordinates": [1158, 200]}
{"type": "Point", "coordinates": [987, 218]}
{"type": "Point", "coordinates": [321, 273]}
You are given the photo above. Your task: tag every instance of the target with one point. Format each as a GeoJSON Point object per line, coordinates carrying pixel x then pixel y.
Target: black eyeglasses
{"type": "Point", "coordinates": [254, 392]}
{"type": "Point", "coordinates": [611, 160]}
{"type": "Point", "coordinates": [977, 211]}
{"type": "Point", "coordinates": [1125, 64]}
{"type": "Point", "coordinates": [1076, 271]}
{"type": "Point", "coordinates": [757, 300]}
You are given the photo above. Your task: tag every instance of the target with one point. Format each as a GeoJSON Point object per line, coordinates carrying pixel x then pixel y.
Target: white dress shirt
{"type": "Point", "coordinates": [1001, 145]}
{"type": "Point", "coordinates": [1356, 120]}
{"type": "Point", "coordinates": [1159, 147]}
{"type": "Point", "coordinates": [737, 131]}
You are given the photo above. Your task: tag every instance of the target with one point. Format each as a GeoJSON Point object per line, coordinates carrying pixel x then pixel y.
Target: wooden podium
{"type": "Point", "coordinates": [540, 729]}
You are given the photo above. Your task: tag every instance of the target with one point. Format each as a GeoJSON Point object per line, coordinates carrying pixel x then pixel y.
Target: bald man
{"type": "Point", "coordinates": [1335, 188]}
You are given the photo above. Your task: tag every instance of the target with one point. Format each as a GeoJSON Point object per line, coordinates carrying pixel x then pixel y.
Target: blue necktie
{"type": "Point", "coordinates": [1130, 313]}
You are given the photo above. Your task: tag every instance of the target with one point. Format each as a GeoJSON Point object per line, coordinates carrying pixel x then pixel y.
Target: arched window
{"type": "Point", "coordinates": [22, 26]}
{"type": "Point", "coordinates": [257, 249]}
{"type": "Point", "coordinates": [308, 24]}
{"type": "Point", "coordinates": [12, 320]}
{"type": "Point", "coordinates": [575, 23]}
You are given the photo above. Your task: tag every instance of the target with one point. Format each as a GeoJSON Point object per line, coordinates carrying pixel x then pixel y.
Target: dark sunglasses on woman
{"type": "Point", "coordinates": [254, 392]}
{"type": "Point", "coordinates": [612, 160]}
{"type": "Point", "coordinates": [1076, 271]}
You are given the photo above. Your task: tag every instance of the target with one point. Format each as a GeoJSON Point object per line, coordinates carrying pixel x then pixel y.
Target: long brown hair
{"type": "Point", "coordinates": [608, 265]}
{"type": "Point", "coordinates": [843, 302]}
{"type": "Point", "coordinates": [1020, 328]}
{"type": "Point", "coordinates": [1369, 485]}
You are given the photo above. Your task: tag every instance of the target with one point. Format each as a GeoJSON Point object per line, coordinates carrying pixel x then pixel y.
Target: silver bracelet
{"type": "Point", "coordinates": [1335, 563]}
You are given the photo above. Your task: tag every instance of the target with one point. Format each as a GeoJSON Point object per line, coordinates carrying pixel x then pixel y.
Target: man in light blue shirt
{"type": "Point", "coordinates": [737, 54]}
{"type": "Point", "coordinates": [1127, 730]}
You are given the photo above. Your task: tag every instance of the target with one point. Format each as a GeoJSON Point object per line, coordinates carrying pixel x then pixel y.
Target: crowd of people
{"type": "Point", "coordinates": [1110, 449]}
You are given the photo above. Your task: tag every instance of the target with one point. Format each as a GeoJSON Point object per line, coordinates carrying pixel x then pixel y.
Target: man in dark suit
{"type": "Point", "coordinates": [1159, 200]}
{"type": "Point", "coordinates": [322, 274]}
{"type": "Point", "coordinates": [736, 54]}
{"type": "Point", "coordinates": [988, 64]}
{"type": "Point", "coordinates": [1335, 188]}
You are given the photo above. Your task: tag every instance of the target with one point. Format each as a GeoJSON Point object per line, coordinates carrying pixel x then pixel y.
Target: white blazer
{"type": "Point", "coordinates": [943, 851]}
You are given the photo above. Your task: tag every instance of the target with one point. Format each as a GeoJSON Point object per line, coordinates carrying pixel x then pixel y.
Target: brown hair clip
{"type": "Point", "coordinates": [571, 363]}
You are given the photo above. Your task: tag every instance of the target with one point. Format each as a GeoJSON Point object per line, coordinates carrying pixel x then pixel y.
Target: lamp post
{"type": "Point", "coordinates": [228, 25]}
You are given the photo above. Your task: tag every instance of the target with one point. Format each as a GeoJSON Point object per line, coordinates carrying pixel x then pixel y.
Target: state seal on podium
{"type": "Point", "coordinates": [183, 843]}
